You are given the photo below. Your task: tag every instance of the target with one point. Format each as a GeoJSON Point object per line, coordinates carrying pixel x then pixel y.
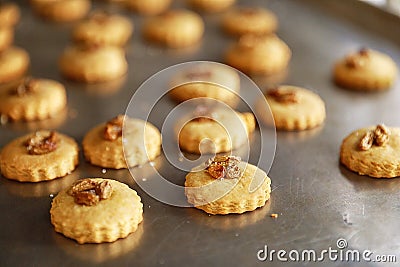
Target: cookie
{"type": "Point", "coordinates": [372, 151]}
{"type": "Point", "coordinates": [32, 99]}
{"type": "Point", "coordinates": [9, 14]}
{"type": "Point", "coordinates": [211, 6]}
{"type": "Point", "coordinates": [259, 55]}
{"type": "Point", "coordinates": [92, 63]}
{"type": "Point", "coordinates": [249, 20]}
{"type": "Point", "coordinates": [148, 7]}
{"type": "Point", "coordinates": [105, 146]}
{"type": "Point", "coordinates": [367, 70]}
{"type": "Point", "coordinates": [216, 131]}
{"type": "Point", "coordinates": [6, 37]}
{"type": "Point", "coordinates": [293, 108]}
{"type": "Point", "coordinates": [14, 63]}
{"type": "Point", "coordinates": [39, 156]}
{"type": "Point", "coordinates": [226, 185]}
{"type": "Point", "coordinates": [102, 28]}
{"type": "Point", "coordinates": [61, 10]}
{"type": "Point", "coordinates": [174, 28]}
{"type": "Point", "coordinates": [96, 210]}
{"type": "Point", "coordinates": [214, 81]}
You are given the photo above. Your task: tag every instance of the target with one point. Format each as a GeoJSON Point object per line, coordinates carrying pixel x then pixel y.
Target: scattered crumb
{"type": "Point", "coordinates": [274, 215]}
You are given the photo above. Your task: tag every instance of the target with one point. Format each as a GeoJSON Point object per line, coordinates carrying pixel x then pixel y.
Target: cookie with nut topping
{"type": "Point", "coordinates": [39, 156]}
{"type": "Point", "coordinates": [107, 146]}
{"type": "Point", "coordinates": [249, 20]}
{"type": "Point", "coordinates": [102, 28]}
{"type": "Point", "coordinates": [148, 7]}
{"type": "Point", "coordinates": [32, 99]}
{"type": "Point", "coordinates": [175, 28]}
{"type": "Point", "coordinates": [293, 108]}
{"type": "Point", "coordinates": [93, 63]}
{"type": "Point", "coordinates": [215, 130]}
{"type": "Point", "coordinates": [214, 81]}
{"type": "Point", "coordinates": [96, 210]}
{"type": "Point", "coordinates": [14, 63]}
{"type": "Point", "coordinates": [61, 10]}
{"type": "Point", "coordinates": [259, 55]}
{"type": "Point", "coordinates": [225, 184]}
{"type": "Point", "coordinates": [365, 70]}
{"type": "Point", "coordinates": [372, 151]}
{"type": "Point", "coordinates": [211, 6]}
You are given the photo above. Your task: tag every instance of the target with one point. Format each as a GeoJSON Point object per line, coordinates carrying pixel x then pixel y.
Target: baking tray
{"type": "Point", "coordinates": [318, 200]}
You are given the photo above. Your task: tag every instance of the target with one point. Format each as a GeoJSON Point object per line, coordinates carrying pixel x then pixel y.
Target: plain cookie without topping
{"type": "Point", "coordinates": [14, 63]}
{"type": "Point", "coordinates": [211, 6]}
{"type": "Point", "coordinates": [61, 10]}
{"type": "Point", "coordinates": [148, 7]}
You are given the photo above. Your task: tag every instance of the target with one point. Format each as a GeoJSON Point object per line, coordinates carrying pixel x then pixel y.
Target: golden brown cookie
{"type": "Point", "coordinates": [148, 7]}
{"type": "Point", "coordinates": [367, 70]}
{"type": "Point", "coordinates": [373, 151]}
{"type": "Point", "coordinates": [61, 10]}
{"type": "Point", "coordinates": [216, 131]}
{"type": "Point", "coordinates": [6, 37]}
{"type": "Point", "coordinates": [103, 145]}
{"type": "Point", "coordinates": [226, 185]}
{"type": "Point", "coordinates": [174, 28]}
{"type": "Point", "coordinates": [9, 14]}
{"type": "Point", "coordinates": [32, 99]}
{"type": "Point", "coordinates": [259, 54]}
{"type": "Point", "coordinates": [102, 28]}
{"type": "Point", "coordinates": [92, 63]}
{"type": "Point", "coordinates": [14, 63]}
{"type": "Point", "coordinates": [39, 156]}
{"type": "Point", "coordinates": [249, 20]}
{"type": "Point", "coordinates": [293, 108]}
{"type": "Point", "coordinates": [211, 6]}
{"type": "Point", "coordinates": [96, 210]}
{"type": "Point", "coordinates": [204, 80]}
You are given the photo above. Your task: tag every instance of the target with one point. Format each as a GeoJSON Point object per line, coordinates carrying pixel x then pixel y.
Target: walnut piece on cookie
{"type": "Point", "coordinates": [107, 146]}
{"type": "Point", "coordinates": [372, 151]}
{"type": "Point", "coordinates": [225, 184]}
{"type": "Point", "coordinates": [39, 156]}
{"type": "Point", "coordinates": [96, 210]}
{"type": "Point", "coordinates": [365, 70]}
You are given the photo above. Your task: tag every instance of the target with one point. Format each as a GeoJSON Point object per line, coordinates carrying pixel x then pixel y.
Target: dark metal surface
{"type": "Point", "coordinates": [317, 199]}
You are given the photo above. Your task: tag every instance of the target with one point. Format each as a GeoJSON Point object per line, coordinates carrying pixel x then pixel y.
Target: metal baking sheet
{"type": "Point", "coordinates": [318, 201]}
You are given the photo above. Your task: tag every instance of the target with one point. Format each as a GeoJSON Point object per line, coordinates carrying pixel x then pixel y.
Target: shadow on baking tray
{"type": "Point", "coordinates": [366, 183]}
{"type": "Point", "coordinates": [99, 253]}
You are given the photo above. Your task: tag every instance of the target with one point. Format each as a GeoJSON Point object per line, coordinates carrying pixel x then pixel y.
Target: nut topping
{"type": "Point", "coordinates": [224, 167]}
{"type": "Point", "coordinates": [27, 86]}
{"type": "Point", "coordinates": [113, 128]}
{"type": "Point", "coordinates": [381, 133]}
{"type": "Point", "coordinates": [283, 96]}
{"type": "Point", "coordinates": [357, 60]}
{"type": "Point", "coordinates": [379, 137]}
{"type": "Point", "coordinates": [89, 192]}
{"type": "Point", "coordinates": [39, 144]}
